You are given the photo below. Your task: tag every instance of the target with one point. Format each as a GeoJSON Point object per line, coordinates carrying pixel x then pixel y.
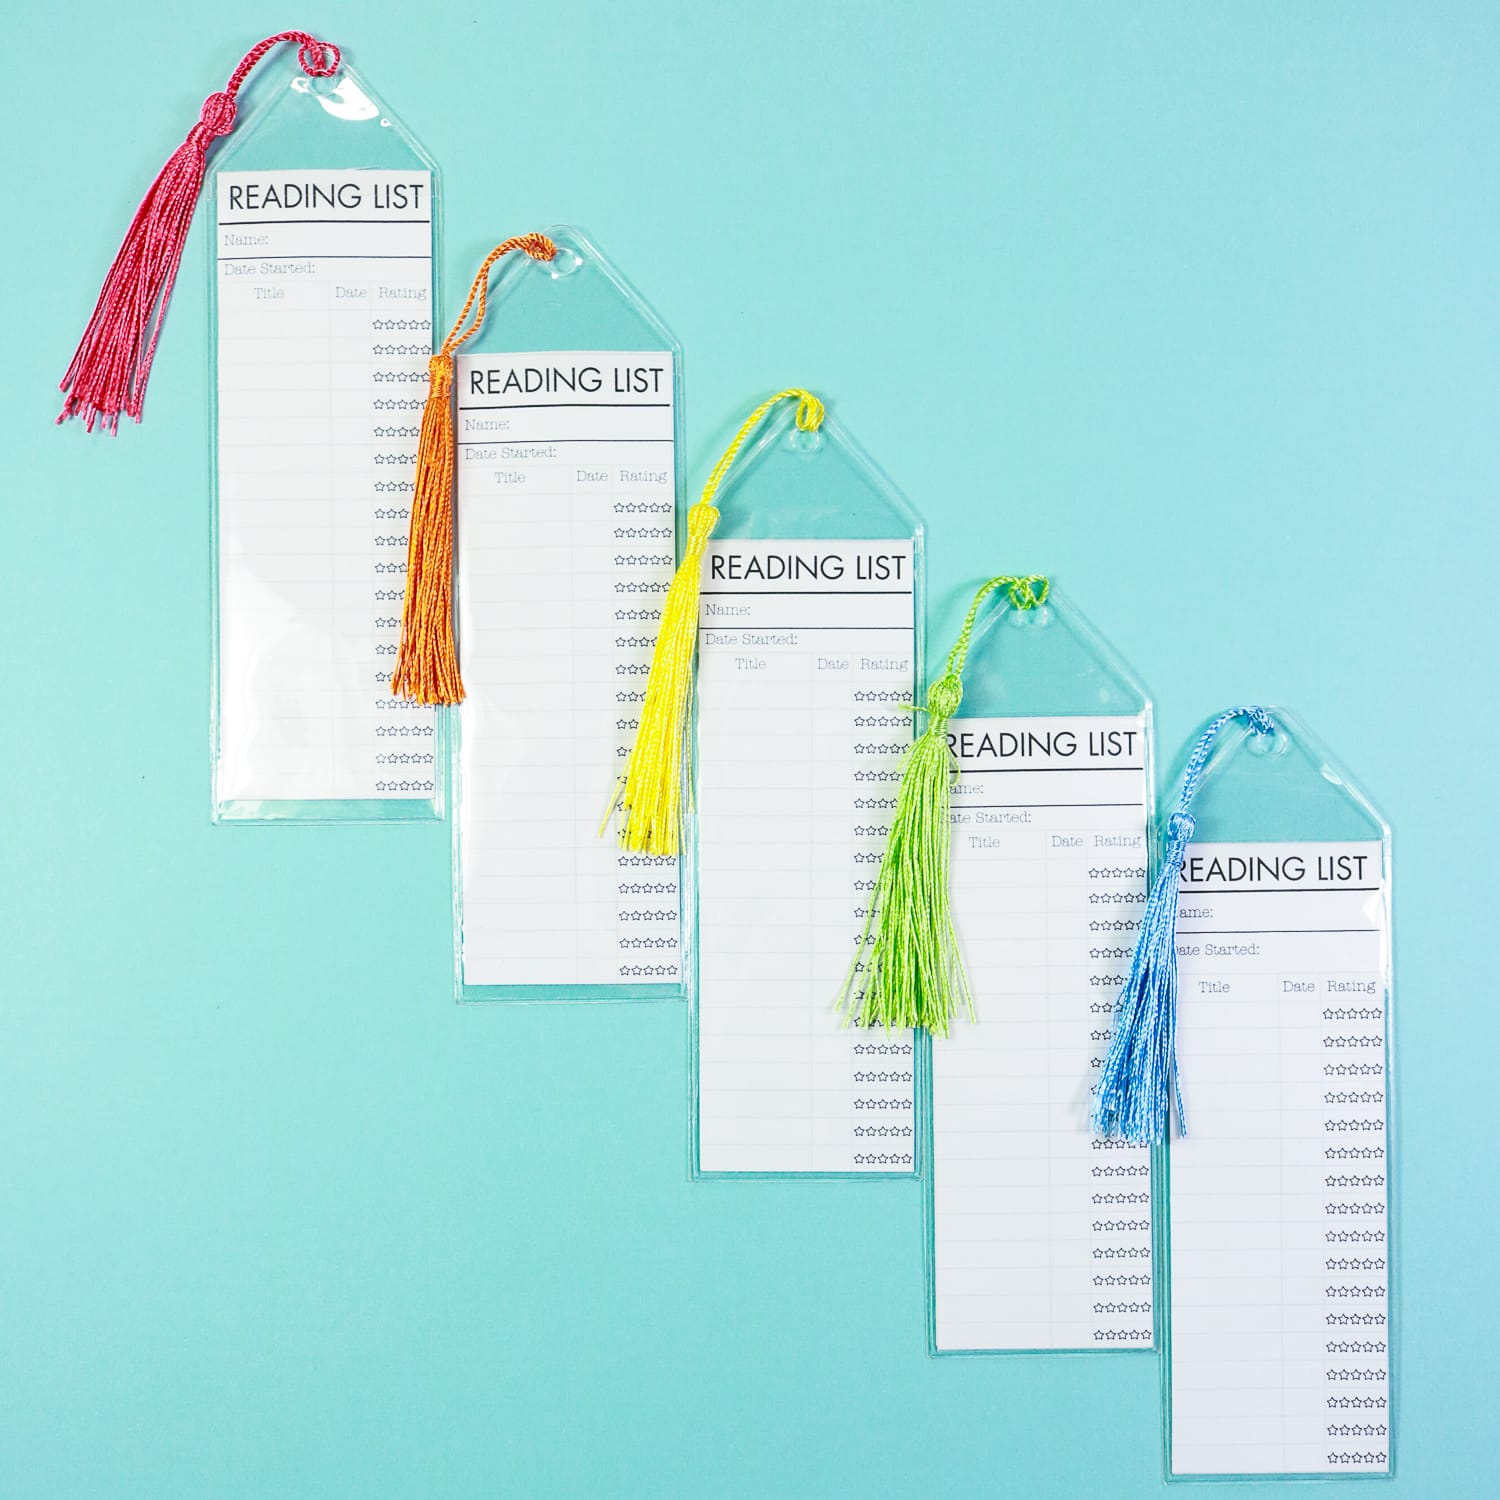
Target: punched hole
{"type": "Point", "coordinates": [1274, 743]}
{"type": "Point", "coordinates": [1030, 619]}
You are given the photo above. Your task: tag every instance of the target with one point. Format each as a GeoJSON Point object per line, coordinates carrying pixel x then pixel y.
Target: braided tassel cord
{"type": "Point", "coordinates": [907, 969]}
{"type": "Point", "coordinates": [649, 793]}
{"type": "Point", "coordinates": [1138, 1079]}
{"type": "Point", "coordinates": [427, 658]}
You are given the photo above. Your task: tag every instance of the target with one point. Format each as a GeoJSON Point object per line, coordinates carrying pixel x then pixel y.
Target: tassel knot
{"type": "Point", "coordinates": [944, 697]}
{"type": "Point", "coordinates": [439, 374]}
{"type": "Point", "coordinates": [216, 118]}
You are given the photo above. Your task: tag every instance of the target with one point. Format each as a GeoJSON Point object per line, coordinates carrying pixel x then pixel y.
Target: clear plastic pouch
{"type": "Point", "coordinates": [324, 219]}
{"type": "Point", "coordinates": [808, 650]}
{"type": "Point", "coordinates": [1275, 1207]}
{"type": "Point", "coordinates": [568, 405]}
{"type": "Point", "coordinates": [1038, 1236]}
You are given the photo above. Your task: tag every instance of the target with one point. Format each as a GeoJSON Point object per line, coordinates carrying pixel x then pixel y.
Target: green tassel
{"type": "Point", "coordinates": [907, 969]}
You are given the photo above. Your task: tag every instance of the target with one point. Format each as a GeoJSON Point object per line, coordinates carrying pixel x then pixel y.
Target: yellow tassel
{"type": "Point", "coordinates": [649, 795]}
{"type": "Point", "coordinates": [427, 658]}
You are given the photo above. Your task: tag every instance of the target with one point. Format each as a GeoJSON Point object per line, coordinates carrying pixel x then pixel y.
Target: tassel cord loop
{"type": "Point", "coordinates": [649, 793]}
{"type": "Point", "coordinates": [316, 58]}
{"type": "Point", "coordinates": [809, 418]}
{"type": "Point", "coordinates": [1025, 593]}
{"type": "Point", "coordinates": [537, 246]}
{"type": "Point", "coordinates": [426, 668]}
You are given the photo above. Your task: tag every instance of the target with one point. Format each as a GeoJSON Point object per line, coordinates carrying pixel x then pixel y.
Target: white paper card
{"type": "Point", "coordinates": [324, 330]}
{"type": "Point", "coordinates": [566, 523]}
{"type": "Point", "coordinates": [1280, 1348]}
{"type": "Point", "coordinates": [806, 660]}
{"type": "Point", "coordinates": [1041, 1233]}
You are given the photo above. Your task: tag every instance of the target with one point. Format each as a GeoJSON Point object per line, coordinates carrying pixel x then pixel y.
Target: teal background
{"type": "Point", "coordinates": [1193, 306]}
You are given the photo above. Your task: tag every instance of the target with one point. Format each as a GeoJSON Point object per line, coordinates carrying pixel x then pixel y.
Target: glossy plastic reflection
{"type": "Point", "coordinates": [1326, 1063]}
{"type": "Point", "coordinates": [797, 486]}
{"type": "Point", "coordinates": [813, 485]}
{"type": "Point", "coordinates": [1044, 663]}
{"type": "Point", "coordinates": [1049, 660]}
{"type": "Point", "coordinates": [303, 728]}
{"type": "Point", "coordinates": [580, 302]}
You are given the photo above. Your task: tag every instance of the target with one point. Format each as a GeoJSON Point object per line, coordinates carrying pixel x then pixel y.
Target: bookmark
{"type": "Point", "coordinates": [805, 632]}
{"type": "Point", "coordinates": [568, 407]}
{"type": "Point", "coordinates": [324, 214]}
{"type": "Point", "coordinates": [1039, 1235]}
{"type": "Point", "coordinates": [1270, 922]}
{"type": "Point", "coordinates": [112, 364]}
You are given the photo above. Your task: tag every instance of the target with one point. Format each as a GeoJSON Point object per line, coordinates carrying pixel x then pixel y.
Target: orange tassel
{"type": "Point", "coordinates": [427, 659]}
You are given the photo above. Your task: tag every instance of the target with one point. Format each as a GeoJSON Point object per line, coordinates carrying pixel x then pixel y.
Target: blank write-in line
{"type": "Point", "coordinates": [1274, 931]}
{"type": "Point", "coordinates": [959, 806]}
{"type": "Point", "coordinates": [230, 223]}
{"type": "Point", "coordinates": [814, 593]}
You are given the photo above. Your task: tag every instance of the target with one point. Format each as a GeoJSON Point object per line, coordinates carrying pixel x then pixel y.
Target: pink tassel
{"type": "Point", "coordinates": [113, 360]}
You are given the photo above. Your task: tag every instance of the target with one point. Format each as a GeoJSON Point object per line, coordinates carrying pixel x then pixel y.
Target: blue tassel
{"type": "Point", "coordinates": [1139, 1077]}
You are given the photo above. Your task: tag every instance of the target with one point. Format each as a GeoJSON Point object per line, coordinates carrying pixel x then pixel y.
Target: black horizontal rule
{"type": "Point", "coordinates": [1274, 890]}
{"type": "Point", "coordinates": [550, 405]}
{"type": "Point", "coordinates": [321, 255]}
{"type": "Point", "coordinates": [531, 442]}
{"type": "Point", "coordinates": [1032, 770]}
{"type": "Point", "coordinates": [814, 593]}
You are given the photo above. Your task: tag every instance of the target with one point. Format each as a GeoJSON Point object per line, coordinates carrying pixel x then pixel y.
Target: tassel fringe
{"type": "Point", "coordinates": [1140, 1068]}
{"type": "Point", "coordinates": [427, 661]}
